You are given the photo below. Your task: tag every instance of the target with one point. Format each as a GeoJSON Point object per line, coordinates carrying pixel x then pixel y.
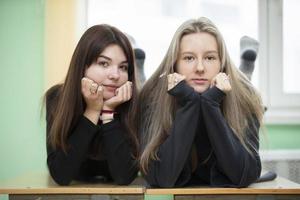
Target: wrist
{"type": "Point", "coordinates": [95, 109]}
{"type": "Point", "coordinates": [106, 107]}
{"type": "Point", "coordinates": [107, 112]}
{"type": "Point", "coordinates": [106, 117]}
{"type": "Point", "coordinates": [92, 115]}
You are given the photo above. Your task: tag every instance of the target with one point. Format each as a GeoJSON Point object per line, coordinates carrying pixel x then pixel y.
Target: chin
{"type": "Point", "coordinates": [200, 89]}
{"type": "Point", "coordinates": [107, 95]}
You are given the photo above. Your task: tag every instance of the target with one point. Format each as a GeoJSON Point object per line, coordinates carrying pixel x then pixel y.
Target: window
{"type": "Point", "coordinates": [291, 46]}
{"type": "Point", "coordinates": [278, 36]}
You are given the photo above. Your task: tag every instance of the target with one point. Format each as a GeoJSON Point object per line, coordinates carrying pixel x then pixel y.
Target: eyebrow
{"type": "Point", "coordinates": [189, 52]}
{"type": "Point", "coordinates": [108, 58]}
{"type": "Point", "coordinates": [102, 56]}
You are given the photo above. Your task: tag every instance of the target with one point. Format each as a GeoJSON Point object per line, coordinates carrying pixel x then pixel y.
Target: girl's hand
{"type": "Point", "coordinates": [221, 81]}
{"type": "Point", "coordinates": [174, 79]}
{"type": "Point", "coordinates": [123, 94]}
{"type": "Point", "coordinates": [92, 94]}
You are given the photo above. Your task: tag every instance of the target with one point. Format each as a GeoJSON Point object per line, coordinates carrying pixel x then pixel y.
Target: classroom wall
{"type": "Point", "coordinates": [60, 39]}
{"type": "Point", "coordinates": [22, 136]}
{"type": "Point", "coordinates": [23, 80]}
{"type": "Point", "coordinates": [281, 137]}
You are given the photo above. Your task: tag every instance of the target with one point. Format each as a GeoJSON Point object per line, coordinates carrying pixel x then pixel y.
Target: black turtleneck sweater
{"type": "Point", "coordinates": [222, 161]}
{"type": "Point", "coordinates": [94, 151]}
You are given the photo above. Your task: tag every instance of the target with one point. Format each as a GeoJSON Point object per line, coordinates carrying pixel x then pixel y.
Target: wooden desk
{"type": "Point", "coordinates": [280, 188]}
{"type": "Point", "coordinates": [40, 186]}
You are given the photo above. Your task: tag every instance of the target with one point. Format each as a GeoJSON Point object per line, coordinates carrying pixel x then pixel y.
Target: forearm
{"type": "Point", "coordinates": [118, 152]}
{"type": "Point", "coordinates": [92, 115]}
{"type": "Point", "coordinates": [174, 152]}
{"type": "Point", "coordinates": [63, 166]}
{"type": "Point", "coordinates": [240, 165]}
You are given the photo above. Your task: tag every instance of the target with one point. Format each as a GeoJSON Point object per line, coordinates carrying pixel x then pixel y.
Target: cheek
{"type": "Point", "coordinates": [123, 77]}
{"type": "Point", "coordinates": [214, 71]}
{"type": "Point", "coordinates": [95, 73]}
{"type": "Point", "coordinates": [183, 69]}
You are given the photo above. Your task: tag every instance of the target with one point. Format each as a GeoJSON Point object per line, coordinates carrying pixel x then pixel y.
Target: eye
{"type": "Point", "coordinates": [210, 58]}
{"type": "Point", "coordinates": [188, 58]}
{"type": "Point", "coordinates": [124, 67]}
{"type": "Point", "coordinates": [103, 63]}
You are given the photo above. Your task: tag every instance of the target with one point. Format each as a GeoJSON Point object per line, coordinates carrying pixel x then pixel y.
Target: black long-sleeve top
{"type": "Point", "coordinates": [94, 151]}
{"type": "Point", "coordinates": [222, 161]}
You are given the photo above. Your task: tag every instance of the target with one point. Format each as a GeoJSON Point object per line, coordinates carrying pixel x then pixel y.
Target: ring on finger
{"type": "Point", "coordinates": [93, 88]}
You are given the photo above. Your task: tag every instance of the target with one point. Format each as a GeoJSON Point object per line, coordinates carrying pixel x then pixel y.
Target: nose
{"type": "Point", "coordinates": [114, 73]}
{"type": "Point", "coordinates": [200, 66]}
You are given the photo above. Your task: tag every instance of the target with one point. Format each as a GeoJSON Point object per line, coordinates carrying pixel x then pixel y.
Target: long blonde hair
{"type": "Point", "coordinates": [241, 107]}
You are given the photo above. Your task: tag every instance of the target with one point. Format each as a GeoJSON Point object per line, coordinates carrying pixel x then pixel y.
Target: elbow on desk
{"type": "Point", "coordinates": [62, 182]}
{"type": "Point", "coordinates": [247, 178]}
{"type": "Point", "coordinates": [60, 179]}
{"type": "Point", "coordinates": [160, 182]}
{"type": "Point", "coordinates": [124, 179]}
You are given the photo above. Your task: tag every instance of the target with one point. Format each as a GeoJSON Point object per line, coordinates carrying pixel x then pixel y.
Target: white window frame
{"type": "Point", "coordinates": [283, 108]}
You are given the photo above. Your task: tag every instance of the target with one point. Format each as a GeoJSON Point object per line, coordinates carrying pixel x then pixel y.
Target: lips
{"type": "Point", "coordinates": [200, 81]}
{"type": "Point", "coordinates": [110, 88]}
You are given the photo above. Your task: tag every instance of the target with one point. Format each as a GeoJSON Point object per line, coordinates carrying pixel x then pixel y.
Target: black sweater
{"type": "Point", "coordinates": [222, 159]}
{"type": "Point", "coordinates": [94, 151]}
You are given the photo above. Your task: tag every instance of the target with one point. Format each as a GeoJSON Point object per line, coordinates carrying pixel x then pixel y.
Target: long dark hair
{"type": "Point", "coordinates": [70, 105]}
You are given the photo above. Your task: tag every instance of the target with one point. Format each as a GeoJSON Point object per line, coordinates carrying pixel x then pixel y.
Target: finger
{"type": "Point", "coordinates": [173, 80]}
{"type": "Point", "coordinates": [90, 82]}
{"type": "Point", "coordinates": [84, 87]}
{"type": "Point", "coordinates": [127, 96]}
{"type": "Point", "coordinates": [87, 85]}
{"type": "Point", "coordinates": [100, 91]}
{"type": "Point", "coordinates": [170, 81]}
{"type": "Point", "coordinates": [93, 88]}
{"type": "Point", "coordinates": [83, 83]}
{"type": "Point", "coordinates": [117, 91]}
{"type": "Point", "coordinates": [130, 90]}
{"type": "Point", "coordinates": [123, 89]}
{"type": "Point", "coordinates": [83, 79]}
{"type": "Point", "coordinates": [125, 92]}
{"type": "Point", "coordinates": [213, 82]}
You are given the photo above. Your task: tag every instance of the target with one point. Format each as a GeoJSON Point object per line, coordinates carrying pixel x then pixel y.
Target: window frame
{"type": "Point", "coordinates": [283, 108]}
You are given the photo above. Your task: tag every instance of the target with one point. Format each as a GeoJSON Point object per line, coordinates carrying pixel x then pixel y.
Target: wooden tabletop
{"type": "Point", "coordinates": [42, 183]}
{"type": "Point", "coordinates": [278, 186]}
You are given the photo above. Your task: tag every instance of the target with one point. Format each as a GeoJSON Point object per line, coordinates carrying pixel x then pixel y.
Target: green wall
{"type": "Point", "coordinates": [22, 133]}
{"type": "Point", "coordinates": [281, 137]}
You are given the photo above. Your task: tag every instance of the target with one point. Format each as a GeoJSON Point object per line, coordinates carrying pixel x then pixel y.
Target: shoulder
{"type": "Point", "coordinates": [51, 98]}
{"type": "Point", "coordinates": [53, 93]}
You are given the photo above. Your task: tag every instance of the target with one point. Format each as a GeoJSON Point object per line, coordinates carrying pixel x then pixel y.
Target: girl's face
{"type": "Point", "coordinates": [110, 70]}
{"type": "Point", "coordinates": [198, 60]}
